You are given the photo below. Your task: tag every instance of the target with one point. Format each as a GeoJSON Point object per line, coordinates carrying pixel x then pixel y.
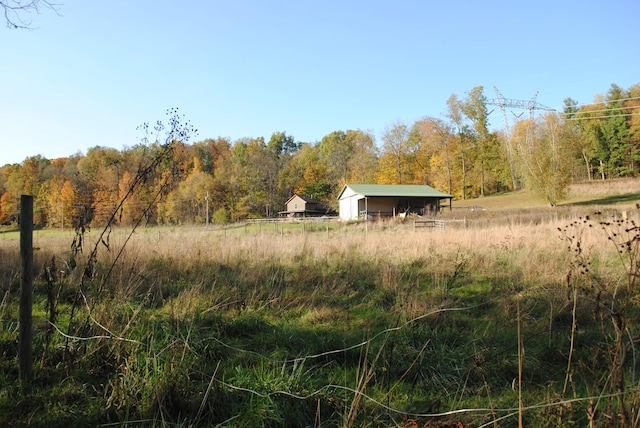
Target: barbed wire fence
{"type": "Point", "coordinates": [491, 414]}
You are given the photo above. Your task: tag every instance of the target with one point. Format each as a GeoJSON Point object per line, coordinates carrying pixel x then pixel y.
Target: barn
{"type": "Point", "coordinates": [305, 206]}
{"type": "Point", "coordinates": [359, 201]}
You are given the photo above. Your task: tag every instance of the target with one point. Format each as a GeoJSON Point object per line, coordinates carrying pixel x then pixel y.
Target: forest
{"type": "Point", "coordinates": [217, 180]}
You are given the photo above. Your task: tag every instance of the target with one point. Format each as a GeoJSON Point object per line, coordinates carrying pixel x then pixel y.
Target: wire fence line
{"type": "Point", "coordinates": [360, 344]}
{"type": "Point", "coordinates": [495, 413]}
{"type": "Point", "coordinates": [511, 411]}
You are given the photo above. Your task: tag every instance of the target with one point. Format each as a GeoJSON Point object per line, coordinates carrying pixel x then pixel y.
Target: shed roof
{"type": "Point", "coordinates": [305, 198]}
{"type": "Point", "coordinates": [398, 190]}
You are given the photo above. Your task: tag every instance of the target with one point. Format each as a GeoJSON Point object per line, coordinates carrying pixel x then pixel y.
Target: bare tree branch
{"type": "Point", "coordinates": [15, 11]}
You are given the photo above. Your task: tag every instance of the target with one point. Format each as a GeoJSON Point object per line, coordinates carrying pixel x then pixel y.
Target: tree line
{"type": "Point", "coordinates": [166, 180]}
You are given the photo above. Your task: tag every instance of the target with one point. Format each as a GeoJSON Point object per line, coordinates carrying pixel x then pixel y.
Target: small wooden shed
{"type": "Point", "coordinates": [360, 201]}
{"type": "Point", "coordinates": [305, 206]}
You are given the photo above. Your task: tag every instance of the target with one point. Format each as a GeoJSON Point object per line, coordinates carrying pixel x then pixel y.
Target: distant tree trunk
{"type": "Point", "coordinates": [449, 179]}
{"type": "Point", "coordinates": [586, 161]}
{"type": "Point", "coordinates": [464, 179]}
{"type": "Point", "coordinates": [482, 179]}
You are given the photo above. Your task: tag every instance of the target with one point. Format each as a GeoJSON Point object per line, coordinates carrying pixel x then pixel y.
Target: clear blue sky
{"type": "Point", "coordinates": [248, 68]}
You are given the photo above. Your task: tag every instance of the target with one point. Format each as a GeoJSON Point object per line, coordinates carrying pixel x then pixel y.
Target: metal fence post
{"type": "Point", "coordinates": [26, 289]}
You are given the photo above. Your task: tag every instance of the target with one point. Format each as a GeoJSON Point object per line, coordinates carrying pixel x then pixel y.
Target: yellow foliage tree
{"type": "Point", "coordinates": [70, 203]}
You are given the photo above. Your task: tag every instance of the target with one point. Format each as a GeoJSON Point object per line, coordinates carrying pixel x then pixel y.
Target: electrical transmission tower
{"type": "Point", "coordinates": [505, 103]}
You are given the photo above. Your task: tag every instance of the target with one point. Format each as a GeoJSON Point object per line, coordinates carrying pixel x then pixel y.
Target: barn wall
{"type": "Point", "coordinates": [381, 206]}
{"type": "Point", "coordinates": [348, 205]}
{"type": "Point", "coordinates": [349, 208]}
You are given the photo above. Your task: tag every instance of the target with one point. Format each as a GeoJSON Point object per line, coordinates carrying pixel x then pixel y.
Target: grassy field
{"type": "Point", "coordinates": [520, 314]}
{"type": "Point", "coordinates": [621, 193]}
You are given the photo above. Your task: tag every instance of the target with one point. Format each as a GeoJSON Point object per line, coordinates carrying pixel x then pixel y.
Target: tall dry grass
{"type": "Point", "coordinates": [352, 279]}
{"type": "Point", "coordinates": [618, 186]}
{"type": "Point", "coordinates": [532, 243]}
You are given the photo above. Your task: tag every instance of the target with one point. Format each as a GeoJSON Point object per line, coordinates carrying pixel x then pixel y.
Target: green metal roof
{"type": "Point", "coordinates": [397, 190]}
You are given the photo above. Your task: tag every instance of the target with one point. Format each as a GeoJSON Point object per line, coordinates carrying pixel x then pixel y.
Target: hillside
{"type": "Point", "coordinates": [621, 193]}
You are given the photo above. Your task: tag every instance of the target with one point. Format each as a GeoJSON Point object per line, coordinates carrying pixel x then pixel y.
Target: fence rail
{"type": "Point", "coordinates": [431, 223]}
{"type": "Point", "coordinates": [321, 219]}
{"type": "Point", "coordinates": [435, 224]}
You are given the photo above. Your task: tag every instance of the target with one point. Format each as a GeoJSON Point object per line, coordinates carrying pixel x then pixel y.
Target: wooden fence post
{"type": "Point", "coordinates": [25, 333]}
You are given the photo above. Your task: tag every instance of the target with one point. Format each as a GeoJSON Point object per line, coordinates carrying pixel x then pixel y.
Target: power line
{"type": "Point", "coordinates": [591, 117]}
{"type": "Point", "coordinates": [602, 117]}
{"type": "Point", "coordinates": [601, 110]}
{"type": "Point", "coordinates": [604, 102]}
{"type": "Point", "coordinates": [607, 116]}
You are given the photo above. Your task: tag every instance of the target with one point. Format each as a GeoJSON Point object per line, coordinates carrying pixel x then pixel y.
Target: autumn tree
{"type": "Point", "coordinates": [252, 176]}
{"type": "Point", "coordinates": [55, 206]}
{"type": "Point", "coordinates": [8, 209]}
{"type": "Point", "coordinates": [229, 185]}
{"type": "Point", "coordinates": [279, 151]}
{"type": "Point", "coordinates": [581, 147]}
{"type": "Point", "coordinates": [363, 163]}
{"type": "Point", "coordinates": [307, 174]}
{"type": "Point", "coordinates": [131, 207]}
{"type": "Point", "coordinates": [9, 193]}
{"type": "Point", "coordinates": [188, 202]}
{"type": "Point", "coordinates": [395, 159]}
{"type": "Point", "coordinates": [594, 147]}
{"type": "Point", "coordinates": [474, 107]}
{"type": "Point", "coordinates": [212, 157]}
{"type": "Point", "coordinates": [214, 150]}
{"type": "Point", "coordinates": [544, 152]}
{"type": "Point", "coordinates": [457, 118]}
{"type": "Point", "coordinates": [9, 202]}
{"type": "Point", "coordinates": [32, 173]}
{"type": "Point", "coordinates": [130, 161]}
{"type": "Point", "coordinates": [69, 204]}
{"type": "Point", "coordinates": [435, 156]}
{"type": "Point", "coordinates": [615, 133]}
{"type": "Point", "coordinates": [200, 153]}
{"type": "Point", "coordinates": [421, 152]}
{"type": "Point", "coordinates": [258, 166]}
{"type": "Point", "coordinates": [3, 191]}
{"type": "Point", "coordinates": [102, 169]}
{"type": "Point", "coordinates": [632, 110]}
{"type": "Point", "coordinates": [243, 178]}
{"type": "Point", "coordinates": [347, 157]}
{"type": "Point", "coordinates": [609, 131]}
{"type": "Point", "coordinates": [61, 197]}
{"type": "Point", "coordinates": [26, 178]}
{"type": "Point", "coordinates": [334, 151]}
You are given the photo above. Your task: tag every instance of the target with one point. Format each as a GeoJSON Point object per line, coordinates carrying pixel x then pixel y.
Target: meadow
{"type": "Point", "coordinates": [516, 314]}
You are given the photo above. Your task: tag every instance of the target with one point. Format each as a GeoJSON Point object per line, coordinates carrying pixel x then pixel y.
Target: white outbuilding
{"type": "Point", "coordinates": [371, 201]}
